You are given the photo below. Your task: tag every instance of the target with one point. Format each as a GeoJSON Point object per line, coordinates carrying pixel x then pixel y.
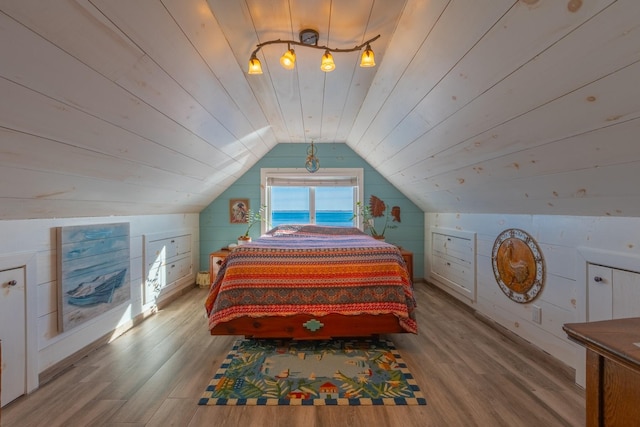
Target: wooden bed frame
{"type": "Point", "coordinates": [260, 323]}
{"type": "Point", "coordinates": [333, 326]}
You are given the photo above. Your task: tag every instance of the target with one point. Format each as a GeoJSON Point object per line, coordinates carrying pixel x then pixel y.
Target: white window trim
{"type": "Point", "coordinates": [302, 173]}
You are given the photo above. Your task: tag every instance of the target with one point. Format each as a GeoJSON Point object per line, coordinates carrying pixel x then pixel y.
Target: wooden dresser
{"type": "Point", "coordinates": [613, 370]}
{"type": "Point", "coordinates": [408, 259]}
{"type": "Point", "coordinates": [215, 260]}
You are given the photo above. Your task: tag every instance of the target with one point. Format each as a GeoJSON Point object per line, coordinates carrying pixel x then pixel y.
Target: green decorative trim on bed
{"type": "Point", "coordinates": [324, 372]}
{"type": "Point", "coordinates": [313, 325]}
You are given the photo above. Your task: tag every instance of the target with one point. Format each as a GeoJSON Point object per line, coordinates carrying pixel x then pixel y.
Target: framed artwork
{"type": "Point", "coordinates": [93, 271]}
{"type": "Point", "coordinates": [518, 265]}
{"type": "Point", "coordinates": [238, 211]}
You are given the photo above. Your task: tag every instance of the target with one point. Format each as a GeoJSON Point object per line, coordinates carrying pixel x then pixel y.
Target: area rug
{"type": "Point", "coordinates": [333, 372]}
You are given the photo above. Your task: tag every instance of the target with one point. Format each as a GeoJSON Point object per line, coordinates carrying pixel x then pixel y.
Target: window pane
{"type": "Point", "coordinates": [334, 206]}
{"type": "Point", "coordinates": [289, 205]}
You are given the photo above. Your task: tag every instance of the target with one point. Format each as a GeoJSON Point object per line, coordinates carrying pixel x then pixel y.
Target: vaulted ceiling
{"type": "Point", "coordinates": [121, 107]}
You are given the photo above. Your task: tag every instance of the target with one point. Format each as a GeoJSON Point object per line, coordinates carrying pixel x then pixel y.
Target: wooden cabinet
{"type": "Point", "coordinates": [168, 263]}
{"type": "Point", "coordinates": [215, 260]}
{"type": "Point", "coordinates": [453, 260]}
{"type": "Point", "coordinates": [408, 259]}
{"type": "Point", "coordinates": [613, 370]}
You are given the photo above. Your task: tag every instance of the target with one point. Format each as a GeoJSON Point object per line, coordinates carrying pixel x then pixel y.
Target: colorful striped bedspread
{"type": "Point", "coordinates": [312, 270]}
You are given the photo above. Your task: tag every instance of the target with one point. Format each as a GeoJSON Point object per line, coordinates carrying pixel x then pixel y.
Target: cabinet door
{"type": "Point", "coordinates": [13, 334]}
{"type": "Point", "coordinates": [600, 293]}
{"type": "Point", "coordinates": [626, 294]}
{"type": "Point", "coordinates": [612, 293]}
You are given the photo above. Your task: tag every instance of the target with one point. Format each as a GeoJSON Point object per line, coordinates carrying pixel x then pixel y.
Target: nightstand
{"type": "Point", "coordinates": [408, 259]}
{"type": "Point", "coordinates": [215, 260]}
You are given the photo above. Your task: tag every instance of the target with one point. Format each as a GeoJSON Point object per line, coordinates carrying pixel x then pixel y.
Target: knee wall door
{"type": "Point", "coordinates": [13, 334]}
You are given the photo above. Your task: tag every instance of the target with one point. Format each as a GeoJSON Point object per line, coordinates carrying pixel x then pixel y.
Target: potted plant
{"type": "Point", "coordinates": [253, 217]}
{"type": "Point", "coordinates": [377, 209]}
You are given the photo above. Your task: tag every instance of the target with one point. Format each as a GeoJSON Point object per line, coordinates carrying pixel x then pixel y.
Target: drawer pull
{"type": "Point", "coordinates": [597, 279]}
{"type": "Point", "coordinates": [12, 283]}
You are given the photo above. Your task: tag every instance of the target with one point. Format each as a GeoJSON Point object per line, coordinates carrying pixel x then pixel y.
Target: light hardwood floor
{"type": "Point", "coordinates": [470, 374]}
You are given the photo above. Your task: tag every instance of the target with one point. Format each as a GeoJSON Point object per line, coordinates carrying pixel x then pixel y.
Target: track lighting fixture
{"type": "Point", "coordinates": [309, 38]}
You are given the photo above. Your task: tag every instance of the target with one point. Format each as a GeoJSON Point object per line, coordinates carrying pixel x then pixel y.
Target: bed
{"type": "Point", "coordinates": [312, 282]}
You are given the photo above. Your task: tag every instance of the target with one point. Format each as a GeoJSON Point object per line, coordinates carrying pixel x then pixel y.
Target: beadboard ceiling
{"type": "Point", "coordinates": [127, 107]}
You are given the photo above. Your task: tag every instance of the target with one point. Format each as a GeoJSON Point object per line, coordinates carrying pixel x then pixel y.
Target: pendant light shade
{"type": "Point", "coordinates": [288, 60]}
{"type": "Point", "coordinates": [254, 65]}
{"type": "Point", "coordinates": [327, 64]}
{"type": "Point", "coordinates": [312, 164]}
{"type": "Point", "coordinates": [367, 58]}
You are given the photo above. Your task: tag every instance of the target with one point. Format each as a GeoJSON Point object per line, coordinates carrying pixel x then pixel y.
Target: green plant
{"type": "Point", "coordinates": [254, 217]}
{"type": "Point", "coordinates": [377, 209]}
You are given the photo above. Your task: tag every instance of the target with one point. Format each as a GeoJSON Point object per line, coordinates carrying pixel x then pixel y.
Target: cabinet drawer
{"type": "Point", "coordinates": [453, 260]}
{"type": "Point", "coordinates": [451, 269]}
{"type": "Point", "coordinates": [452, 246]}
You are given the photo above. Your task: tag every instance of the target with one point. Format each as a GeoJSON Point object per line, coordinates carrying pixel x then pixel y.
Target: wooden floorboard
{"type": "Point", "coordinates": [471, 374]}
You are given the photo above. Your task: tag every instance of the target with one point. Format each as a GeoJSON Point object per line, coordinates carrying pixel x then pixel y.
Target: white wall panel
{"type": "Point", "coordinates": [38, 237]}
{"type": "Point", "coordinates": [567, 243]}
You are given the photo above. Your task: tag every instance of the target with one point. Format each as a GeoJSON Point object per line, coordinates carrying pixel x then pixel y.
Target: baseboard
{"type": "Point", "coordinates": [67, 363]}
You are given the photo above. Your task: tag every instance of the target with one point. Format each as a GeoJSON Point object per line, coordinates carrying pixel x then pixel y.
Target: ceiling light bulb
{"type": "Point", "coordinates": [254, 65]}
{"type": "Point", "coordinates": [367, 58]}
{"type": "Point", "coordinates": [327, 62]}
{"type": "Point", "coordinates": [288, 60]}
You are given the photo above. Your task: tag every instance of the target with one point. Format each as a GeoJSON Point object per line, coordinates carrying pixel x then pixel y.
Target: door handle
{"type": "Point", "coordinates": [597, 279]}
{"type": "Point", "coordinates": [12, 283]}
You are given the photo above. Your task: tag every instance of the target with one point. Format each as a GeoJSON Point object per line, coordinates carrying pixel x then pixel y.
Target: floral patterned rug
{"type": "Point", "coordinates": [335, 372]}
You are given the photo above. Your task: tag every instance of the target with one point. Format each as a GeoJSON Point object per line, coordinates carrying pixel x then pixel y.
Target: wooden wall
{"type": "Point", "coordinates": [216, 231]}
{"type": "Point", "coordinates": [35, 242]}
{"type": "Point", "coordinates": [564, 242]}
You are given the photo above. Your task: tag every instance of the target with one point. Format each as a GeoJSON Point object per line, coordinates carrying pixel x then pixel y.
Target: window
{"type": "Point", "coordinates": [327, 197]}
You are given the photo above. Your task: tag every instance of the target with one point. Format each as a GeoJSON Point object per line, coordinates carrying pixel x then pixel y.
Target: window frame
{"type": "Point", "coordinates": [301, 174]}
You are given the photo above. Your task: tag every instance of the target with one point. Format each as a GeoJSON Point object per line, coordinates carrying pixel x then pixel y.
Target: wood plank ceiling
{"type": "Point", "coordinates": [120, 107]}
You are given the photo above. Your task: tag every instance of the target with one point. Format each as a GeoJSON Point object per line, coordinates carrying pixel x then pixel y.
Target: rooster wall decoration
{"type": "Point", "coordinates": [518, 265]}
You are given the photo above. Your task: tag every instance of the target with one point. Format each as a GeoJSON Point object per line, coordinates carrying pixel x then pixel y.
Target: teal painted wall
{"type": "Point", "coordinates": [216, 231]}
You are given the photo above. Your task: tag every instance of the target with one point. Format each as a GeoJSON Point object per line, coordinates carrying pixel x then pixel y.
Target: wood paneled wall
{"type": "Point", "coordinates": [563, 240]}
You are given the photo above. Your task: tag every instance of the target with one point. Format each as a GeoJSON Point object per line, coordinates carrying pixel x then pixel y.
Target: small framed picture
{"type": "Point", "coordinates": [238, 211]}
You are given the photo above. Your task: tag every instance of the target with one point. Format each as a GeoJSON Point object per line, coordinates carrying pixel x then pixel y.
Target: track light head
{"type": "Point", "coordinates": [327, 64]}
{"type": "Point", "coordinates": [254, 65]}
{"type": "Point", "coordinates": [368, 59]}
{"type": "Point", "coordinates": [288, 60]}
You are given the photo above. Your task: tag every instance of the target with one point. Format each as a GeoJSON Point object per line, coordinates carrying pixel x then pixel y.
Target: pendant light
{"type": "Point", "coordinates": [312, 163]}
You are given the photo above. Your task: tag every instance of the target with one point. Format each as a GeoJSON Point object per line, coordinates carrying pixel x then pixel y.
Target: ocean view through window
{"type": "Point", "coordinates": [327, 197]}
{"type": "Point", "coordinates": [312, 205]}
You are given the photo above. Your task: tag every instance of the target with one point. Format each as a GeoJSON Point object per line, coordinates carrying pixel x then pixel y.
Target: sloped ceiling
{"type": "Point", "coordinates": [121, 107]}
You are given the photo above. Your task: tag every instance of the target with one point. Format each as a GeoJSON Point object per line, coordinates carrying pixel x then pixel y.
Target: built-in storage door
{"type": "Point", "coordinates": [612, 293]}
{"type": "Point", "coordinates": [13, 334]}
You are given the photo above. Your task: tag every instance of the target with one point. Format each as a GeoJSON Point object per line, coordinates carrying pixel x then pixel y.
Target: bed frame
{"type": "Point", "coordinates": [264, 262]}
{"type": "Point", "coordinates": [306, 327]}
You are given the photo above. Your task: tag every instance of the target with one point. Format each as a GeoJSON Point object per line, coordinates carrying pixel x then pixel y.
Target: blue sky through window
{"type": "Point", "coordinates": [297, 198]}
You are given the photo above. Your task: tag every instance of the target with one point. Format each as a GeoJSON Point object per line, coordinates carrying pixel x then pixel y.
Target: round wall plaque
{"type": "Point", "coordinates": [518, 265]}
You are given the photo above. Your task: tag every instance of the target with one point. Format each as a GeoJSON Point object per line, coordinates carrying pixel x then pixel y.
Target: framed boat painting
{"type": "Point", "coordinates": [93, 271]}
